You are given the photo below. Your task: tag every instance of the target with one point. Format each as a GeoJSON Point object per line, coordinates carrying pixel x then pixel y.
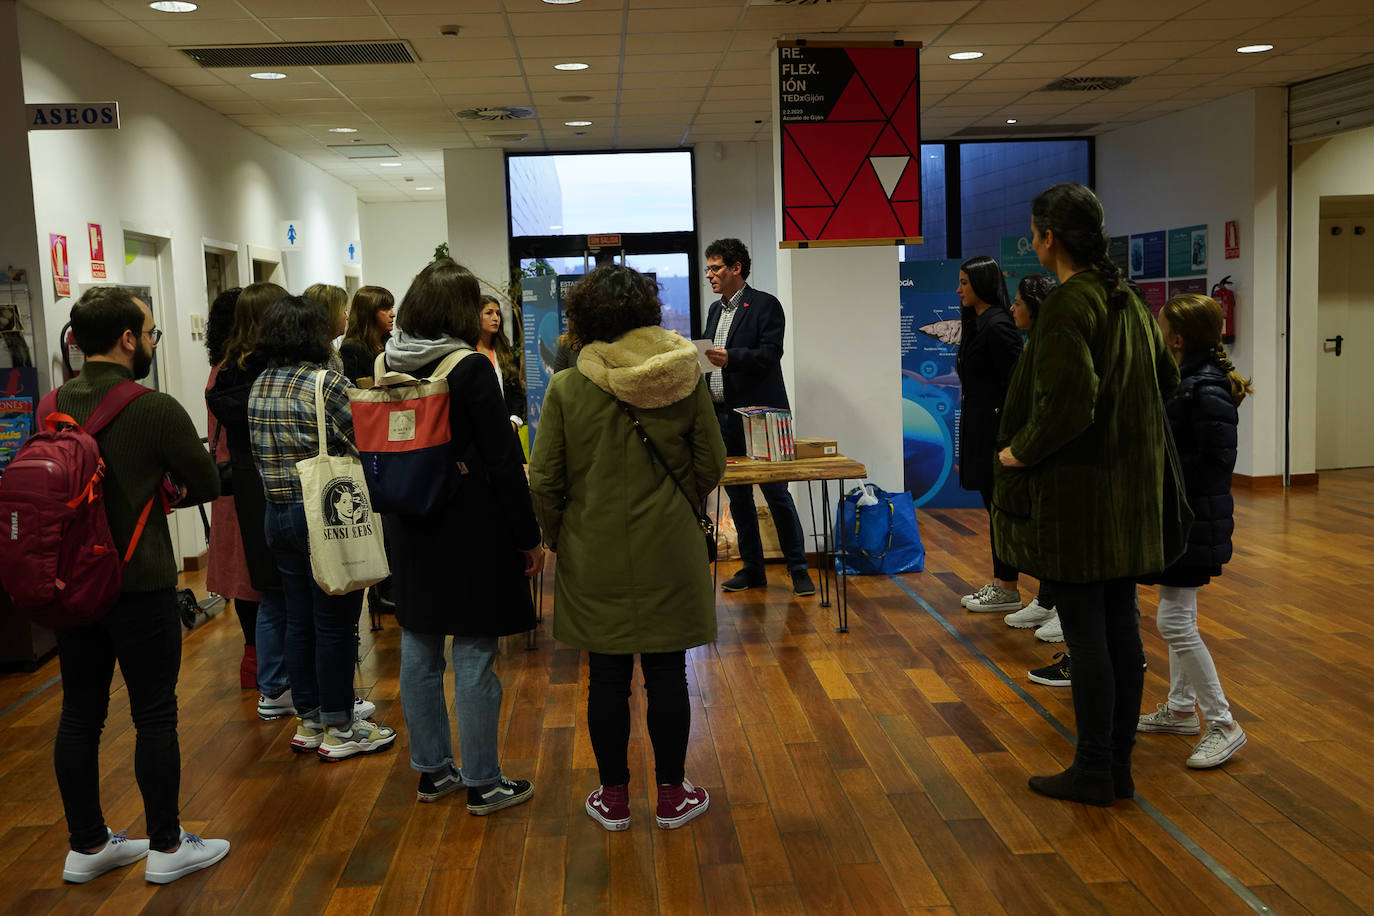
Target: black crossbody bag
{"type": "Point", "coordinates": [708, 528]}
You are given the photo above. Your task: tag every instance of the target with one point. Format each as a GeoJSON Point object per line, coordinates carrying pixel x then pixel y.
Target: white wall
{"type": "Point", "coordinates": [174, 169]}
{"type": "Point", "coordinates": [398, 241]}
{"type": "Point", "coordinates": [1337, 167]}
{"type": "Point", "coordinates": [1219, 161]}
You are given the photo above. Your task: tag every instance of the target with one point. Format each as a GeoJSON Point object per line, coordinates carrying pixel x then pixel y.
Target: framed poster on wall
{"type": "Point", "coordinates": [849, 124]}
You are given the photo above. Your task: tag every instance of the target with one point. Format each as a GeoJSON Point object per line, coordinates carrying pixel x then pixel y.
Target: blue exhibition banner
{"type": "Point", "coordinates": [930, 388]}
{"type": "Point", "coordinates": [540, 327]}
{"type": "Point", "coordinates": [1018, 261]}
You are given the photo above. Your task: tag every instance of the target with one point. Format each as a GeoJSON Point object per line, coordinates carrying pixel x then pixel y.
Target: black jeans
{"type": "Point", "coordinates": [1101, 623]}
{"type": "Point", "coordinates": [669, 714]}
{"type": "Point", "coordinates": [779, 498]}
{"type": "Point", "coordinates": [1001, 570]}
{"type": "Point", "coordinates": [143, 633]}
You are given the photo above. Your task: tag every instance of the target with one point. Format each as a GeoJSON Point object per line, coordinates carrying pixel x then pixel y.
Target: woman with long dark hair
{"type": "Point", "coordinates": [370, 320]}
{"type": "Point", "coordinates": [493, 345]}
{"type": "Point", "coordinates": [226, 572]}
{"type": "Point", "coordinates": [631, 575]}
{"type": "Point", "coordinates": [989, 347]}
{"type": "Point", "coordinates": [461, 571]}
{"type": "Point", "coordinates": [1078, 495]}
{"type": "Point", "coordinates": [321, 629]}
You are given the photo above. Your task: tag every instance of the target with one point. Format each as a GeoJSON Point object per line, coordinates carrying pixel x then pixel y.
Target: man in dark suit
{"type": "Point", "coordinates": [746, 325]}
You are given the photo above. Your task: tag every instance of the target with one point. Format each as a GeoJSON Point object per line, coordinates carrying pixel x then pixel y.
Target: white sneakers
{"type": "Point", "coordinates": [992, 598]}
{"type": "Point", "coordinates": [191, 855]}
{"type": "Point", "coordinates": [1051, 630]}
{"type": "Point", "coordinates": [1165, 720]}
{"type": "Point", "coordinates": [1032, 615]}
{"type": "Point", "coordinates": [1216, 746]}
{"type": "Point", "coordinates": [117, 852]}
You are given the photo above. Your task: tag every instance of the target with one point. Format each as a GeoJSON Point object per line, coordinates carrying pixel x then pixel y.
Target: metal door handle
{"type": "Point", "coordinates": [1337, 341]}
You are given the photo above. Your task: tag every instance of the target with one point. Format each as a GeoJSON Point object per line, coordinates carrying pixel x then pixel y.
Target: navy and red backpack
{"type": "Point", "coordinates": [59, 562]}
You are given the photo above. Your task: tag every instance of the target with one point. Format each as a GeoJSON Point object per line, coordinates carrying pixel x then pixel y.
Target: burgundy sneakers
{"type": "Point", "coordinates": [611, 806]}
{"type": "Point", "coordinates": [678, 804]}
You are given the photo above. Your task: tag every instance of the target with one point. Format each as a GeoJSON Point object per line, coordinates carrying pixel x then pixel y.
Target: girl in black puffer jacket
{"type": "Point", "coordinates": [1203, 417]}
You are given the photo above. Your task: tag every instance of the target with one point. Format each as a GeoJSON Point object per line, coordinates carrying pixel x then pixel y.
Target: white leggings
{"type": "Point", "coordinates": [1192, 675]}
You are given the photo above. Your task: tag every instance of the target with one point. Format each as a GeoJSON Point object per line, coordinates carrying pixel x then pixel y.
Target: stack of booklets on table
{"type": "Point", "coordinates": [768, 433]}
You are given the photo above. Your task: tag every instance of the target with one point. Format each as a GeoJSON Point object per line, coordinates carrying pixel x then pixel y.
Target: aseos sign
{"type": "Point", "coordinates": [73, 116]}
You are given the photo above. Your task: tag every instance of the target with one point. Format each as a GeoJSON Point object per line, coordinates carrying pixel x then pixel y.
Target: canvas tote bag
{"type": "Point", "coordinates": [346, 547]}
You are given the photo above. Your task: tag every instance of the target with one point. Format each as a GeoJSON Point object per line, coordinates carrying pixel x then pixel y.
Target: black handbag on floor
{"type": "Point", "coordinates": [708, 527]}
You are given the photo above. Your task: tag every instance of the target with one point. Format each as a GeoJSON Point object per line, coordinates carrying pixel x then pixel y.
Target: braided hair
{"type": "Point", "coordinates": [1075, 216]}
{"type": "Point", "coordinates": [1197, 319]}
{"type": "Point", "coordinates": [1033, 289]}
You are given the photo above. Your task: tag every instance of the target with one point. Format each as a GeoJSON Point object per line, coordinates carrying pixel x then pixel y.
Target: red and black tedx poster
{"type": "Point", "coordinates": [851, 165]}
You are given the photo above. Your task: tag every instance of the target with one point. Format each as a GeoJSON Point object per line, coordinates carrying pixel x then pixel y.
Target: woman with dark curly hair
{"type": "Point", "coordinates": [285, 429]}
{"type": "Point", "coordinates": [631, 577]}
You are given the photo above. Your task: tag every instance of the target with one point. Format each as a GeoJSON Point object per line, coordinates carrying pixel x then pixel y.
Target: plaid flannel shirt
{"type": "Point", "coordinates": [283, 429]}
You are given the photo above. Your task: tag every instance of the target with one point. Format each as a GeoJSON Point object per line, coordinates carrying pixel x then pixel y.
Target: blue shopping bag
{"type": "Point", "coordinates": [880, 534]}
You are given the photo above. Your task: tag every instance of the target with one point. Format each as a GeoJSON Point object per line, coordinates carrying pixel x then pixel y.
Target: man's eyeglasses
{"type": "Point", "coordinates": [715, 268]}
{"type": "Point", "coordinates": [155, 334]}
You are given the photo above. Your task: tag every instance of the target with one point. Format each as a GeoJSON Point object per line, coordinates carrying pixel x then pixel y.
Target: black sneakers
{"type": "Point", "coordinates": [742, 580]}
{"type": "Point", "coordinates": [434, 786]}
{"type": "Point", "coordinates": [1055, 674]}
{"type": "Point", "coordinates": [802, 586]}
{"type": "Point", "coordinates": [501, 794]}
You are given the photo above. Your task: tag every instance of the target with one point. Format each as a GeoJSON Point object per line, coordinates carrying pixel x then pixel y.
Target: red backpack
{"type": "Point", "coordinates": [59, 562]}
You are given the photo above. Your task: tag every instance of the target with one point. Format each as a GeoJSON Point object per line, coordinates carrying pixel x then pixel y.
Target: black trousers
{"type": "Point", "coordinates": [1101, 623]}
{"type": "Point", "coordinates": [668, 714]}
{"type": "Point", "coordinates": [143, 634]}
{"type": "Point", "coordinates": [1001, 570]}
{"type": "Point", "coordinates": [791, 540]}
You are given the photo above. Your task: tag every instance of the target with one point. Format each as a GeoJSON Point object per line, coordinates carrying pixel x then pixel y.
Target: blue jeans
{"type": "Point", "coordinates": [143, 633]}
{"type": "Point", "coordinates": [271, 641]}
{"type": "Point", "coordinates": [476, 701]}
{"type": "Point", "coordinates": [321, 629]}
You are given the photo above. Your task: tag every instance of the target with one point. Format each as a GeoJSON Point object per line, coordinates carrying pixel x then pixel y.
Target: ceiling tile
{"type": "Point", "coordinates": [582, 48]}
{"type": "Point", "coordinates": [1067, 53]}
{"type": "Point", "coordinates": [296, 9]}
{"type": "Point", "coordinates": [354, 28]}
{"type": "Point", "coordinates": [1095, 32]}
{"type": "Point", "coordinates": [1193, 29]}
{"type": "Point", "coordinates": [359, 73]}
{"type": "Point", "coordinates": [1020, 11]}
{"type": "Point", "coordinates": [73, 10]}
{"type": "Point", "coordinates": [470, 25]}
{"type": "Point", "coordinates": [661, 63]}
{"type": "Point", "coordinates": [686, 19]}
{"type": "Point", "coordinates": [1126, 10]}
{"type": "Point", "coordinates": [462, 69]}
{"type": "Point", "coordinates": [1042, 70]}
{"type": "Point", "coordinates": [462, 49]}
{"type": "Point", "coordinates": [691, 43]}
{"type": "Point", "coordinates": [577, 21]}
{"type": "Point", "coordinates": [209, 32]}
{"type": "Point", "coordinates": [113, 34]}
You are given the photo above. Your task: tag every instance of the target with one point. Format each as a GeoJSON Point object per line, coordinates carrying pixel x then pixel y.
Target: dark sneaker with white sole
{"type": "Point", "coordinates": [802, 586]}
{"type": "Point", "coordinates": [501, 794]}
{"type": "Point", "coordinates": [743, 580]}
{"type": "Point", "coordinates": [434, 786]}
{"type": "Point", "coordinates": [1056, 674]}
{"type": "Point", "coordinates": [678, 804]}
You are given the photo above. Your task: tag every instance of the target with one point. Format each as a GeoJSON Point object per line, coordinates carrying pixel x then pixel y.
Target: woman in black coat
{"type": "Point", "coordinates": [989, 347]}
{"type": "Point", "coordinates": [1203, 418]}
{"type": "Point", "coordinates": [463, 570]}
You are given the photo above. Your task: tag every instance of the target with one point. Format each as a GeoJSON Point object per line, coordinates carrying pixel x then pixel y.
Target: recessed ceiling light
{"type": "Point", "coordinates": [577, 123]}
{"type": "Point", "coordinates": [173, 6]}
{"type": "Point", "coordinates": [572, 65]}
{"type": "Point", "coordinates": [390, 165]}
{"type": "Point", "coordinates": [1011, 120]}
{"type": "Point", "coordinates": [425, 188]}
{"type": "Point", "coordinates": [966, 55]}
{"type": "Point", "coordinates": [343, 130]}
{"type": "Point", "coordinates": [1254, 49]}
{"type": "Point", "coordinates": [268, 75]}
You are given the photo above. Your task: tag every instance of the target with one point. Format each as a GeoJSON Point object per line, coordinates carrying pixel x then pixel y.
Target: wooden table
{"type": "Point", "coordinates": [742, 471]}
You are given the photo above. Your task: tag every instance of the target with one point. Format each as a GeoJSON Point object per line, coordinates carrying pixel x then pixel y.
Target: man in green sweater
{"type": "Point", "coordinates": [151, 438]}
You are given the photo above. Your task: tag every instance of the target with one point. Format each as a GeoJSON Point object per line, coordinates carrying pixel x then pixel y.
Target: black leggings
{"type": "Point", "coordinates": [669, 714]}
{"type": "Point", "coordinates": [1001, 571]}
{"type": "Point", "coordinates": [1101, 623]}
{"type": "Point", "coordinates": [248, 620]}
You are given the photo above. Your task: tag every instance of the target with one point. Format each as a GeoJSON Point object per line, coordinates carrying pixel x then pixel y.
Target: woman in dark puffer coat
{"type": "Point", "coordinates": [1203, 417]}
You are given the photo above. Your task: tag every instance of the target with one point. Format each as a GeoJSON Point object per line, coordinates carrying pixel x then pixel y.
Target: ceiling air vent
{"type": "Point", "coordinates": [312, 54]}
{"type": "Point", "coordinates": [1086, 83]}
{"type": "Point", "coordinates": [495, 113]}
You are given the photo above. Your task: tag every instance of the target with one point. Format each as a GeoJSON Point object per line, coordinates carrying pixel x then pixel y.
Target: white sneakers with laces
{"type": "Point", "coordinates": [1217, 745]}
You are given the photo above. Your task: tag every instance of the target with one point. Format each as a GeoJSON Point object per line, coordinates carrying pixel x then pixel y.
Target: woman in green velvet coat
{"type": "Point", "coordinates": [1078, 491]}
{"type": "Point", "coordinates": [631, 576]}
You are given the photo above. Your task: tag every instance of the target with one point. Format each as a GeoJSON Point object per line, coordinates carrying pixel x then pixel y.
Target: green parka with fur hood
{"type": "Point", "coordinates": [631, 573]}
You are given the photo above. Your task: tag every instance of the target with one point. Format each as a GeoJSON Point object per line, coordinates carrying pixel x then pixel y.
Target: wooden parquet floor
{"type": "Point", "coordinates": [879, 771]}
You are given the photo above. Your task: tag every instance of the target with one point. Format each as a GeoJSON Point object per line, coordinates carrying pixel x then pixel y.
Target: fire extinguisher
{"type": "Point", "coordinates": [72, 356]}
{"type": "Point", "coordinates": [1226, 298]}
